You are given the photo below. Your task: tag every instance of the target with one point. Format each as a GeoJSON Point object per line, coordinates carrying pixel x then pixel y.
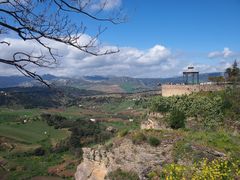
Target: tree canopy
{"type": "Point", "coordinates": [233, 73]}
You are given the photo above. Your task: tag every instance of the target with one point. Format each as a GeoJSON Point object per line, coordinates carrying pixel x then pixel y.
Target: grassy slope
{"type": "Point", "coordinates": [127, 87]}
{"type": "Point", "coordinates": [7, 114]}
{"type": "Point", "coordinates": [31, 132]}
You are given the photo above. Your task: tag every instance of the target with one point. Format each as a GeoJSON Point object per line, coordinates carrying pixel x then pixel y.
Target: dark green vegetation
{"type": "Point", "coordinates": [208, 109]}
{"type": "Point", "coordinates": [153, 141]}
{"type": "Point", "coordinates": [120, 175]}
{"type": "Point", "coordinates": [41, 97]}
{"type": "Point", "coordinates": [177, 119]}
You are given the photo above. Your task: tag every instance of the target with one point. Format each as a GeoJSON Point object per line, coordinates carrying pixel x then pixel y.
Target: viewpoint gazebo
{"type": "Point", "coordinates": [191, 76]}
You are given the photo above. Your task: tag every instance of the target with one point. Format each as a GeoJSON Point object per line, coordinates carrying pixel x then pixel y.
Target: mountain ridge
{"type": "Point", "coordinates": [97, 82]}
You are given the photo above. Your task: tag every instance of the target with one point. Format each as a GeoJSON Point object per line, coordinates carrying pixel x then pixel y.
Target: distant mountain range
{"type": "Point", "coordinates": [107, 84]}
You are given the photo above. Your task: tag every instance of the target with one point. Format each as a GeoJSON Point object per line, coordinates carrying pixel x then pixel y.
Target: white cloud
{"type": "Point", "coordinates": [154, 62]}
{"type": "Point", "coordinates": [106, 5]}
{"type": "Point", "coordinates": [157, 61]}
{"type": "Point", "coordinates": [221, 54]}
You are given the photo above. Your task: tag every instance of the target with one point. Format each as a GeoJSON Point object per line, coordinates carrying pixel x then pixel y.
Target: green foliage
{"type": "Point", "coordinates": [233, 73]}
{"type": "Point", "coordinates": [122, 175]}
{"type": "Point", "coordinates": [86, 132]}
{"type": "Point", "coordinates": [141, 102]}
{"type": "Point", "coordinates": [138, 138]}
{"type": "Point", "coordinates": [152, 175]}
{"type": "Point", "coordinates": [26, 167]}
{"type": "Point", "coordinates": [215, 140]}
{"type": "Point", "coordinates": [123, 133]}
{"type": "Point", "coordinates": [216, 169]}
{"type": "Point", "coordinates": [57, 121]}
{"type": "Point", "coordinates": [153, 141]}
{"type": "Point", "coordinates": [205, 108]}
{"type": "Point", "coordinates": [160, 104]}
{"type": "Point", "coordinates": [231, 99]}
{"type": "Point", "coordinates": [177, 119]}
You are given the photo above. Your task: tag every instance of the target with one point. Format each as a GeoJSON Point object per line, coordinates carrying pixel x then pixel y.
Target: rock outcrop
{"type": "Point", "coordinates": [155, 121]}
{"type": "Point", "coordinates": [123, 154]}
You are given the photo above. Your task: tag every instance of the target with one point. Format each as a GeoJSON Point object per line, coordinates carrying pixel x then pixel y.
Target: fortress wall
{"type": "Point", "coordinates": [173, 90]}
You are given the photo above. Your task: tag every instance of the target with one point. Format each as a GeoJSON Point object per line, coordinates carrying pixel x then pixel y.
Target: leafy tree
{"type": "Point", "coordinates": [205, 108]}
{"type": "Point", "coordinates": [159, 104]}
{"type": "Point", "coordinates": [177, 119]}
{"type": "Point", "coordinates": [233, 73]}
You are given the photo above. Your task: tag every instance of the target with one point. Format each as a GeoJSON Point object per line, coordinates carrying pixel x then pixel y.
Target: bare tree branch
{"type": "Point", "coordinates": [41, 20]}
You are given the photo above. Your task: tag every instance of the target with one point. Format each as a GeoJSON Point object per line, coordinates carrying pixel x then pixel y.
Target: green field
{"type": "Point", "coordinates": [118, 106]}
{"type": "Point", "coordinates": [7, 114]}
{"type": "Point", "coordinates": [25, 137]}
{"type": "Point", "coordinates": [31, 132]}
{"type": "Point", "coordinates": [128, 87]}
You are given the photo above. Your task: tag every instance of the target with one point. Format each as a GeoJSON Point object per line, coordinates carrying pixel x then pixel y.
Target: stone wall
{"type": "Point", "coordinates": [173, 90]}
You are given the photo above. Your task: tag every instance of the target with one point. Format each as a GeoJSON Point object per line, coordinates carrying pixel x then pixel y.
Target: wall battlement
{"type": "Point", "coordinates": [173, 90]}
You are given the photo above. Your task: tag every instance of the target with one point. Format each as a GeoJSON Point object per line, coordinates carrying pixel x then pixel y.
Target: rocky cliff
{"type": "Point", "coordinates": [155, 121]}
{"type": "Point", "coordinates": [123, 154]}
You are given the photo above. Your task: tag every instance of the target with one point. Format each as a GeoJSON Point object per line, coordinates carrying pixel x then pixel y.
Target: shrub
{"type": "Point", "coordinates": [153, 141]}
{"type": "Point", "coordinates": [160, 104]}
{"type": "Point", "coordinates": [138, 138]}
{"type": "Point", "coordinates": [152, 175]}
{"type": "Point", "coordinates": [177, 119]}
{"type": "Point", "coordinates": [207, 108]}
{"type": "Point", "coordinates": [216, 169]}
{"type": "Point", "coordinates": [123, 133]}
{"type": "Point", "coordinates": [39, 152]}
{"type": "Point", "coordinates": [122, 175]}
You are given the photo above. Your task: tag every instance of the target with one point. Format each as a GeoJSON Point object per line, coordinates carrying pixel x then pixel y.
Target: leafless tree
{"type": "Point", "coordinates": [50, 20]}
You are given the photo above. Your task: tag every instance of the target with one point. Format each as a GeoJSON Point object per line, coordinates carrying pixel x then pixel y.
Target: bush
{"type": "Point", "coordinates": [39, 152]}
{"type": "Point", "coordinates": [138, 138]}
{"type": "Point", "coordinates": [153, 141]}
{"type": "Point", "coordinates": [177, 119]}
{"type": "Point", "coordinates": [206, 108]}
{"type": "Point", "coordinates": [216, 169]}
{"type": "Point", "coordinates": [160, 104]}
{"type": "Point", "coordinates": [122, 175]}
{"type": "Point", "coordinates": [123, 133]}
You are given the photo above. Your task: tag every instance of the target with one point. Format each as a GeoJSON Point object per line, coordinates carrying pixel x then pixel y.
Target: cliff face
{"type": "Point", "coordinates": [155, 121]}
{"type": "Point", "coordinates": [123, 154]}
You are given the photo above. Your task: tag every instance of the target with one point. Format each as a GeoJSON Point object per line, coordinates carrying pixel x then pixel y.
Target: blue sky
{"type": "Point", "coordinates": [161, 38]}
{"type": "Point", "coordinates": [190, 25]}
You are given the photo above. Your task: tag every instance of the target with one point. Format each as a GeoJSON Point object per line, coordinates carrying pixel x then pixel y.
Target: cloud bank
{"type": "Point", "coordinates": [156, 61]}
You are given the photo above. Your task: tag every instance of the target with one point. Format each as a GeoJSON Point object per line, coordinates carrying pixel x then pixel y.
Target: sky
{"type": "Point", "coordinates": [160, 38]}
